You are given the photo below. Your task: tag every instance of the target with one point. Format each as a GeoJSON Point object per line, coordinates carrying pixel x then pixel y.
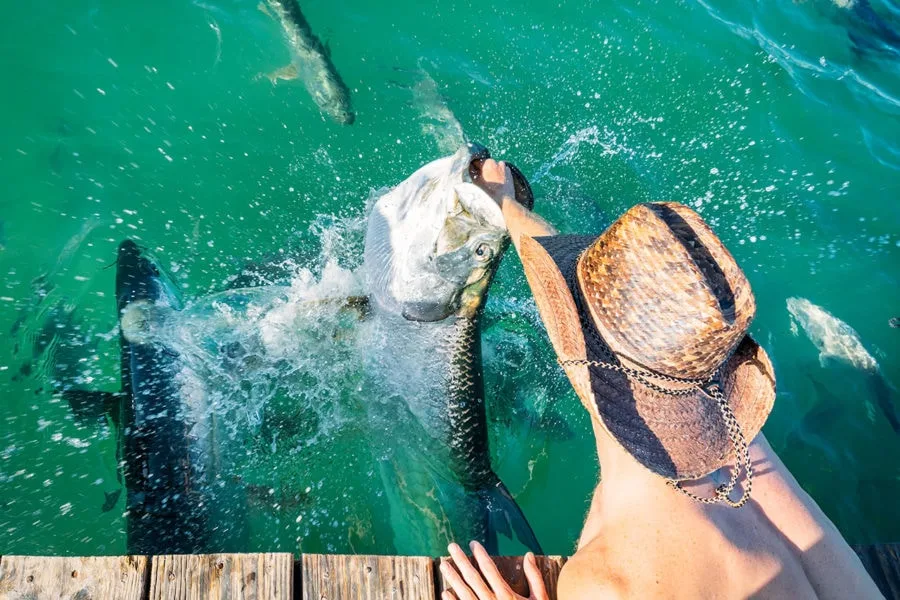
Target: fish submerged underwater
{"type": "Point", "coordinates": [408, 323]}
{"type": "Point", "coordinates": [310, 62]}
{"type": "Point", "coordinates": [838, 342]}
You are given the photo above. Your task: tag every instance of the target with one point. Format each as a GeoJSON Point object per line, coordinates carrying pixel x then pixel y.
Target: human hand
{"type": "Point", "coordinates": [468, 584]}
{"type": "Point", "coordinates": [494, 178]}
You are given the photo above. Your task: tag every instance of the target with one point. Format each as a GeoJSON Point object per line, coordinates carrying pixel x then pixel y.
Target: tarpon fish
{"type": "Point", "coordinates": [432, 248]}
{"type": "Point", "coordinates": [433, 245]}
{"type": "Point", "coordinates": [311, 63]}
{"type": "Point", "coordinates": [837, 341]}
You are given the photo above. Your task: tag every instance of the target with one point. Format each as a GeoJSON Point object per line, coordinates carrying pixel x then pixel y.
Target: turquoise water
{"type": "Point", "coordinates": [777, 120]}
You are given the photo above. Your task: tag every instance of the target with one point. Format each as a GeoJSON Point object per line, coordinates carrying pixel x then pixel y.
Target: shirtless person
{"type": "Point", "coordinates": [686, 507]}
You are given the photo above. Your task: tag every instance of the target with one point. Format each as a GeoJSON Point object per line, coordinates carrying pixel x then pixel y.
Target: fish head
{"type": "Point", "coordinates": [434, 242]}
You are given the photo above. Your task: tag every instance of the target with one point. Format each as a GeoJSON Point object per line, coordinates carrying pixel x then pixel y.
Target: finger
{"type": "Point", "coordinates": [456, 582]}
{"type": "Point", "coordinates": [501, 172]}
{"type": "Point", "coordinates": [493, 171]}
{"type": "Point", "coordinates": [489, 170]}
{"type": "Point", "coordinates": [448, 595]}
{"type": "Point", "coordinates": [469, 573]}
{"type": "Point", "coordinates": [488, 568]}
{"type": "Point", "coordinates": [536, 587]}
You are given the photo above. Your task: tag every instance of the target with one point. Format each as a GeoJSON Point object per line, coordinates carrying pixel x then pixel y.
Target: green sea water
{"type": "Point", "coordinates": [777, 120]}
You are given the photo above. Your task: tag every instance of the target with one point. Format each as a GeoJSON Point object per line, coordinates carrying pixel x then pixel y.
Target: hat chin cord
{"type": "Point", "coordinates": [713, 388]}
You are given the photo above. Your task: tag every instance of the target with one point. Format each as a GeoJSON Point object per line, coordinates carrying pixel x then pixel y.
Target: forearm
{"type": "Point", "coordinates": [520, 220]}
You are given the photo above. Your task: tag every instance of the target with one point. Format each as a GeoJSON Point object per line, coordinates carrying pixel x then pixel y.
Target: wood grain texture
{"type": "Point", "coordinates": [222, 577]}
{"type": "Point", "coordinates": [882, 561]}
{"type": "Point", "coordinates": [511, 569]}
{"type": "Point", "coordinates": [91, 578]}
{"type": "Point", "coordinates": [334, 577]}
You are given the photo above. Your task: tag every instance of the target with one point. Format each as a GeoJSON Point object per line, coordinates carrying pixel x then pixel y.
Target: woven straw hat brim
{"type": "Point", "coordinates": [677, 437]}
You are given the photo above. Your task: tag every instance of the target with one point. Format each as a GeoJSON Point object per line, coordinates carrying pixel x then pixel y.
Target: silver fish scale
{"type": "Point", "coordinates": [467, 421]}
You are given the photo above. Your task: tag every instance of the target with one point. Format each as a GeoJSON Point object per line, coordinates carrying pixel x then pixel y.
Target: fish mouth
{"type": "Point", "coordinates": [426, 312]}
{"type": "Point", "coordinates": [478, 153]}
{"type": "Point", "coordinates": [346, 118]}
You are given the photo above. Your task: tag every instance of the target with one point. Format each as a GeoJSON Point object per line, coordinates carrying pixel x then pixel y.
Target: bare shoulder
{"type": "Point", "coordinates": [593, 572]}
{"type": "Point", "coordinates": [645, 559]}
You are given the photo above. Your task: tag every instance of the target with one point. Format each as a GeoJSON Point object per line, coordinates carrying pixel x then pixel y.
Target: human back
{"type": "Point", "coordinates": [658, 543]}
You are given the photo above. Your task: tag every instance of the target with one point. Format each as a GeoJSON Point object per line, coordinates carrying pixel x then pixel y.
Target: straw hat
{"type": "Point", "coordinates": [649, 321]}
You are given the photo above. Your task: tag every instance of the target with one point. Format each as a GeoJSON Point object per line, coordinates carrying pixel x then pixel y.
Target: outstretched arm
{"type": "Point", "coordinates": [496, 180]}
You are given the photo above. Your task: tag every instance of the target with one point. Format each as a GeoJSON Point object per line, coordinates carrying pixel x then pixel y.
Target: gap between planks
{"type": "Point", "coordinates": [279, 577]}
{"type": "Point", "coordinates": [237, 576]}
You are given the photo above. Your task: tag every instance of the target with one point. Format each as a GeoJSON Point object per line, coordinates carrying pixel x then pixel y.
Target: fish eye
{"type": "Point", "coordinates": [483, 251]}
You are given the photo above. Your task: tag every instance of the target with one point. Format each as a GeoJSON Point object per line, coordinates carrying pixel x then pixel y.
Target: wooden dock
{"type": "Point", "coordinates": [239, 576]}
{"type": "Point", "coordinates": [280, 577]}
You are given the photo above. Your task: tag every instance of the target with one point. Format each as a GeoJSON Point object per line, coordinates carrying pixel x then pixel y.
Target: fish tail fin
{"type": "Point", "coordinates": [506, 518]}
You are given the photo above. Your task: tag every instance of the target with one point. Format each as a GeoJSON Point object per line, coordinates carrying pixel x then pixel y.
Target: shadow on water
{"type": "Point", "coordinates": [873, 32]}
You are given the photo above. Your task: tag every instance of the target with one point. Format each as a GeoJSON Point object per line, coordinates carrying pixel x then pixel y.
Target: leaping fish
{"type": "Point", "coordinates": [310, 62]}
{"type": "Point", "coordinates": [433, 245]}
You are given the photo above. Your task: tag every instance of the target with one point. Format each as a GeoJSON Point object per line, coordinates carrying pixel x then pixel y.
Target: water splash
{"type": "Point", "coordinates": [610, 141]}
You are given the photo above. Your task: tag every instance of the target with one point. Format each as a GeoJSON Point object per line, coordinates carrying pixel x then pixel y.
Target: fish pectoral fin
{"type": "Point", "coordinates": [90, 405]}
{"type": "Point", "coordinates": [288, 73]}
{"type": "Point", "coordinates": [505, 517]}
{"type": "Point", "coordinates": [261, 7]}
{"type": "Point", "coordinates": [111, 499]}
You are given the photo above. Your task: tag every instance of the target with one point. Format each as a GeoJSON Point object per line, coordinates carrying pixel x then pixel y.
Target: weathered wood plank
{"type": "Point", "coordinates": [29, 577]}
{"type": "Point", "coordinates": [334, 577]}
{"type": "Point", "coordinates": [882, 561]}
{"type": "Point", "coordinates": [511, 569]}
{"type": "Point", "coordinates": [222, 576]}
